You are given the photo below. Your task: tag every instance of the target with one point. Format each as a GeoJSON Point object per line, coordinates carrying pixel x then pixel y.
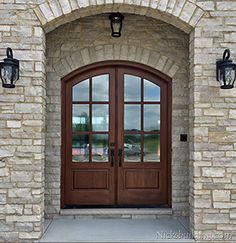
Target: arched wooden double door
{"type": "Point", "coordinates": [116, 130]}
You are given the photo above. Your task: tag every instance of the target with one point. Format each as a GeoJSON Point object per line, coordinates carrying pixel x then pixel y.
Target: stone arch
{"type": "Point", "coordinates": [63, 59]}
{"type": "Point", "coordinates": [116, 52]}
{"type": "Point", "coordinates": [183, 14]}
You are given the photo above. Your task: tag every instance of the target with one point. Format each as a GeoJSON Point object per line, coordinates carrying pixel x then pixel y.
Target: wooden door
{"type": "Point", "coordinates": [142, 138]}
{"type": "Point", "coordinates": [116, 137]}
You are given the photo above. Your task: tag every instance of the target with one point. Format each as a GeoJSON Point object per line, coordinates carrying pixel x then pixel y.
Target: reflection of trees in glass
{"type": "Point", "coordinates": [100, 147]}
{"type": "Point", "coordinates": [132, 139]}
{"type": "Point", "coordinates": [83, 124]}
{"type": "Point", "coordinates": [100, 140]}
{"type": "Point", "coordinates": [152, 147]}
{"type": "Point", "coordinates": [80, 141]}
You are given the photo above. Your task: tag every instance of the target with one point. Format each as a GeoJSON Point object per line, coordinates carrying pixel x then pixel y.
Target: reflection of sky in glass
{"type": "Point", "coordinates": [100, 90]}
{"type": "Point", "coordinates": [132, 88]}
{"type": "Point", "coordinates": [132, 117]}
{"type": "Point", "coordinates": [81, 91]}
{"type": "Point", "coordinates": [151, 91]}
{"type": "Point", "coordinates": [151, 117]}
{"type": "Point", "coordinates": [100, 117]}
{"type": "Point", "coordinates": [80, 114]}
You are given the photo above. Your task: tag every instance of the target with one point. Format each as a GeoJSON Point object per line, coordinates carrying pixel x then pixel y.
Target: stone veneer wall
{"type": "Point", "coordinates": [144, 40]}
{"type": "Point", "coordinates": [211, 24]}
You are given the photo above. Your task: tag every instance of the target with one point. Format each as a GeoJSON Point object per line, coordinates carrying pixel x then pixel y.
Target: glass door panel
{"type": "Point", "coordinates": [80, 148]}
{"type": "Point", "coordinates": [80, 91]}
{"type": "Point", "coordinates": [80, 118]}
{"type": "Point", "coordinates": [90, 136]}
{"type": "Point", "coordinates": [132, 88]}
{"type": "Point", "coordinates": [151, 118]}
{"type": "Point", "coordinates": [152, 92]}
{"type": "Point", "coordinates": [151, 148]}
{"type": "Point", "coordinates": [100, 88]}
{"type": "Point", "coordinates": [142, 120]}
{"type": "Point", "coordinates": [132, 148]}
{"type": "Point", "coordinates": [100, 118]}
{"type": "Point", "coordinates": [132, 117]}
{"type": "Point", "coordinates": [100, 147]}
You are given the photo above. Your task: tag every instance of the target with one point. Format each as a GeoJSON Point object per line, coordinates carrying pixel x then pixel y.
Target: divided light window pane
{"type": "Point", "coordinates": [100, 118]}
{"type": "Point", "coordinates": [152, 118]}
{"type": "Point", "coordinates": [80, 91]}
{"type": "Point", "coordinates": [80, 118]}
{"type": "Point", "coordinates": [132, 88]}
{"type": "Point", "coordinates": [151, 148]}
{"type": "Point", "coordinates": [152, 91]}
{"type": "Point", "coordinates": [132, 148]}
{"type": "Point", "coordinates": [100, 88]}
{"type": "Point", "coordinates": [132, 117]}
{"type": "Point", "coordinates": [100, 147]}
{"type": "Point", "coordinates": [80, 148]}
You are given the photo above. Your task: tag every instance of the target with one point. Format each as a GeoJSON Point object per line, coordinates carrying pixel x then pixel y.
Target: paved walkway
{"type": "Point", "coordinates": [117, 230]}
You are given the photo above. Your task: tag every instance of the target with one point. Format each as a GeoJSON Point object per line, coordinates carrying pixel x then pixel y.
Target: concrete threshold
{"type": "Point", "coordinates": [118, 212]}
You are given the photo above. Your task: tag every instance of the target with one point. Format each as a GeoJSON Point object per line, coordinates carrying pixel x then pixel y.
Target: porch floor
{"type": "Point", "coordinates": [117, 230]}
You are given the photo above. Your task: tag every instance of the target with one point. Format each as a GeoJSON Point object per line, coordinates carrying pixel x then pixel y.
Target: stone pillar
{"type": "Point", "coordinates": [213, 126]}
{"type": "Point", "coordinates": [22, 127]}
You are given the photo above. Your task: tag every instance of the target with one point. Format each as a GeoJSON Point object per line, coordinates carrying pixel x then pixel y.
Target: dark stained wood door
{"type": "Point", "coordinates": [116, 130]}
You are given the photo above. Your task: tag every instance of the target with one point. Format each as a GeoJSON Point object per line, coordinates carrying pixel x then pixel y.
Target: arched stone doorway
{"type": "Point", "coordinates": [23, 27]}
{"type": "Point", "coordinates": [153, 47]}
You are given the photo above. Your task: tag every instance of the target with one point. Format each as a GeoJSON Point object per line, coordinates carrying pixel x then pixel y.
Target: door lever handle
{"type": "Point", "coordinates": [112, 153]}
{"type": "Point", "coordinates": [120, 157]}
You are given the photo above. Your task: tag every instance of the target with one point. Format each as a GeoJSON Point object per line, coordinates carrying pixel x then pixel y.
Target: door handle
{"type": "Point", "coordinates": [112, 153]}
{"type": "Point", "coordinates": [120, 157]}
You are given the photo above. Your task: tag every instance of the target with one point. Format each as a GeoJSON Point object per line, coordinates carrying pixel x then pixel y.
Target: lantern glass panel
{"type": "Point", "coordinates": [220, 76]}
{"type": "Point", "coordinates": [116, 28]}
{"type": "Point", "coordinates": [9, 74]}
{"type": "Point", "coordinates": [6, 74]}
{"type": "Point", "coordinates": [229, 75]}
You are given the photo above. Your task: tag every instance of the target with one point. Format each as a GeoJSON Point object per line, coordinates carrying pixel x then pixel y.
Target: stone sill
{"type": "Point", "coordinates": [117, 211]}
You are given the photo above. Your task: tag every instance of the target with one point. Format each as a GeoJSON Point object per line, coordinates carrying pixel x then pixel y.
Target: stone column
{"type": "Point", "coordinates": [213, 126]}
{"type": "Point", "coordinates": [22, 127]}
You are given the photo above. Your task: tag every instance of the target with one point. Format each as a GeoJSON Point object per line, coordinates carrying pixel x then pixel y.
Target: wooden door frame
{"type": "Point", "coordinates": [113, 63]}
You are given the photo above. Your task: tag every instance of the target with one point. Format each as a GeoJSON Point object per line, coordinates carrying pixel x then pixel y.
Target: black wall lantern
{"type": "Point", "coordinates": [226, 71]}
{"type": "Point", "coordinates": [116, 24]}
{"type": "Point", "coordinates": [9, 70]}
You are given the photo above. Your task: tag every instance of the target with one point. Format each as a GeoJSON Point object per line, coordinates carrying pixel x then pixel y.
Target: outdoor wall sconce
{"type": "Point", "coordinates": [116, 24]}
{"type": "Point", "coordinates": [9, 70]}
{"type": "Point", "coordinates": [226, 71]}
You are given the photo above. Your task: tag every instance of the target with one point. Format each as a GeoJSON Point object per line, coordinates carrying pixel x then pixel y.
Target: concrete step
{"type": "Point", "coordinates": [118, 231]}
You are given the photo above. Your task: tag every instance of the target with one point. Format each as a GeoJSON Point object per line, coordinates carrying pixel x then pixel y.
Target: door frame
{"type": "Point", "coordinates": [112, 63]}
